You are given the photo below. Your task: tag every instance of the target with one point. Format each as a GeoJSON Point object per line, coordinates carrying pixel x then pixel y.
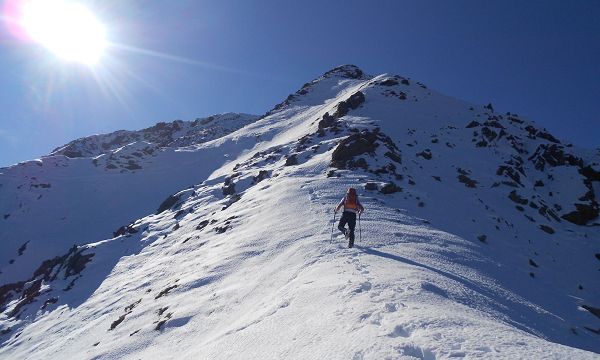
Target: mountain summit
{"type": "Point", "coordinates": [214, 238]}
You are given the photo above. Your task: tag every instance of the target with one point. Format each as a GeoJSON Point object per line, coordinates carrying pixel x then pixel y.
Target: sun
{"type": "Point", "coordinates": [66, 28]}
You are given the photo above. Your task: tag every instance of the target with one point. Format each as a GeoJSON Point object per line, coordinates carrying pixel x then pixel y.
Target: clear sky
{"type": "Point", "coordinates": [178, 59]}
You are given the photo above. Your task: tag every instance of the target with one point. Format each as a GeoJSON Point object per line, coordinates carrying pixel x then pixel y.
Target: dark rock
{"type": "Point", "coordinates": [72, 153]}
{"type": "Point", "coordinates": [131, 165]}
{"type": "Point", "coordinates": [221, 229]}
{"type": "Point", "coordinates": [389, 82]}
{"type": "Point", "coordinates": [165, 291]}
{"type": "Point", "coordinates": [482, 238]}
{"type": "Point", "coordinates": [123, 230]}
{"type": "Point", "coordinates": [553, 155]}
{"type": "Point", "coordinates": [390, 188]}
{"type": "Point", "coordinates": [355, 144]}
{"type": "Point", "coordinates": [493, 122]}
{"type": "Point", "coordinates": [202, 225]}
{"type": "Point", "coordinates": [159, 325]}
{"type": "Point", "coordinates": [23, 248]}
{"type": "Point", "coordinates": [510, 172]}
{"type": "Point", "coordinates": [595, 331]}
{"type": "Point", "coordinates": [262, 174]}
{"type": "Point", "coordinates": [533, 263]}
{"type": "Point", "coordinates": [405, 82]}
{"type": "Point", "coordinates": [228, 187]}
{"type": "Point", "coordinates": [167, 203]}
{"type": "Point", "coordinates": [547, 229]}
{"type": "Point", "coordinates": [582, 215]}
{"type": "Point", "coordinates": [6, 216]}
{"type": "Point", "coordinates": [117, 322]}
{"type": "Point", "coordinates": [291, 160]}
{"type": "Point", "coordinates": [353, 102]}
{"type": "Point", "coordinates": [589, 173]}
{"type": "Point", "coordinates": [533, 205]}
{"type": "Point", "coordinates": [467, 181]}
{"type": "Point", "coordinates": [394, 157]}
{"type": "Point", "coordinates": [489, 107]}
{"type": "Point", "coordinates": [489, 134]}
{"type": "Point", "coordinates": [29, 295]}
{"type": "Point", "coordinates": [515, 119]}
{"type": "Point", "coordinates": [162, 310]}
{"type": "Point", "coordinates": [370, 186]}
{"type": "Point", "coordinates": [7, 291]}
{"type": "Point", "coordinates": [47, 266]}
{"type": "Point", "coordinates": [473, 124]}
{"type": "Point", "coordinates": [347, 71]}
{"type": "Point", "coordinates": [539, 183]}
{"type": "Point", "coordinates": [359, 163]}
{"type": "Point", "coordinates": [547, 136]}
{"type": "Point", "coordinates": [232, 199]}
{"type": "Point", "coordinates": [516, 198]}
{"type": "Point", "coordinates": [77, 262]}
{"type": "Point", "coordinates": [425, 154]}
{"type": "Point", "coordinates": [593, 310]}
{"type": "Point", "coordinates": [327, 121]}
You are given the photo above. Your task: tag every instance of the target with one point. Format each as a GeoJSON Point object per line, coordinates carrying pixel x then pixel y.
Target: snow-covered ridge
{"type": "Point", "coordinates": [479, 240]}
{"type": "Point", "coordinates": [178, 133]}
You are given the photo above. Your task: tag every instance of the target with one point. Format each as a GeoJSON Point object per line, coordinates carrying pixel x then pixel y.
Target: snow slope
{"type": "Point", "coordinates": [49, 204]}
{"type": "Point", "coordinates": [473, 244]}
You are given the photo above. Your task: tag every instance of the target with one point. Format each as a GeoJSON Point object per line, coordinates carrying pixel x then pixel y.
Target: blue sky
{"type": "Point", "coordinates": [189, 59]}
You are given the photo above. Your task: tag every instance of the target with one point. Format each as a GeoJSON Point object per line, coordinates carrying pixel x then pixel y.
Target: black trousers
{"type": "Point", "coordinates": [350, 219]}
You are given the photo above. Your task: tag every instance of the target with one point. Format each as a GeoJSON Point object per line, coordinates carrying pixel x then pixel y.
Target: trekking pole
{"type": "Point", "coordinates": [332, 225]}
{"type": "Point", "coordinates": [359, 229]}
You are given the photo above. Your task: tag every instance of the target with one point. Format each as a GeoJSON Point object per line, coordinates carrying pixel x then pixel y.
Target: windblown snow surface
{"type": "Point", "coordinates": [480, 237]}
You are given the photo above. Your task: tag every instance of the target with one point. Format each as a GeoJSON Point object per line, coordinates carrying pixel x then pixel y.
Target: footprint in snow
{"type": "Point", "coordinates": [399, 331]}
{"type": "Point", "coordinates": [363, 287]}
{"type": "Point", "coordinates": [391, 307]}
{"type": "Point", "coordinates": [416, 352]}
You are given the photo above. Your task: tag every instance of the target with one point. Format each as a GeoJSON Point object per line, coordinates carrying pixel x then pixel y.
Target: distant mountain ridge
{"type": "Point", "coordinates": [178, 133]}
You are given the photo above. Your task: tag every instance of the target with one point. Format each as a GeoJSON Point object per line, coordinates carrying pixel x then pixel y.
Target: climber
{"type": "Point", "coordinates": [351, 207]}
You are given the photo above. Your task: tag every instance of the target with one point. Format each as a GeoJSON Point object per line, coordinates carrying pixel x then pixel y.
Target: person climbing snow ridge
{"type": "Point", "coordinates": [351, 207]}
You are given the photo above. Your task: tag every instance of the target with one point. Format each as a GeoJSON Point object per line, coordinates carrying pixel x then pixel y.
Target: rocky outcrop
{"type": "Point", "coordinates": [390, 188]}
{"type": "Point", "coordinates": [27, 292]}
{"type": "Point", "coordinates": [342, 109]}
{"type": "Point", "coordinates": [584, 214]}
{"type": "Point", "coordinates": [365, 143]}
{"type": "Point", "coordinates": [346, 71]}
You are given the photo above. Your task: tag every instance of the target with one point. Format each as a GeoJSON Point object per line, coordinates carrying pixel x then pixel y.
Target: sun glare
{"type": "Point", "coordinates": [66, 28]}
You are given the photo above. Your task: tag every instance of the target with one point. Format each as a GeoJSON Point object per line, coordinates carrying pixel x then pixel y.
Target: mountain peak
{"type": "Point", "coordinates": [190, 229]}
{"type": "Point", "coordinates": [346, 71]}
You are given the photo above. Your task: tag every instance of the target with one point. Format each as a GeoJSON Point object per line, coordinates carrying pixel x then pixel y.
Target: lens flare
{"type": "Point", "coordinates": [67, 29]}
